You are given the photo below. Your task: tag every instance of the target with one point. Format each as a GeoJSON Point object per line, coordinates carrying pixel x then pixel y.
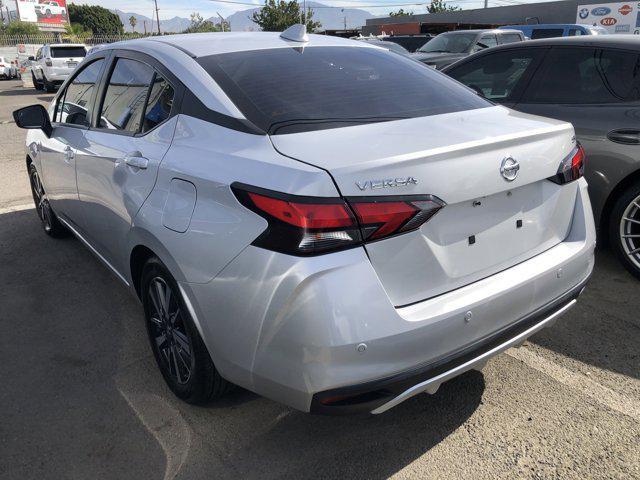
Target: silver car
{"type": "Point", "coordinates": [317, 220]}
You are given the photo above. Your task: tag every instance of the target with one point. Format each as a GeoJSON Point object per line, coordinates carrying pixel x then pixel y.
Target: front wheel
{"type": "Point", "coordinates": [50, 223]}
{"type": "Point", "coordinates": [624, 229]}
{"type": "Point", "coordinates": [177, 346]}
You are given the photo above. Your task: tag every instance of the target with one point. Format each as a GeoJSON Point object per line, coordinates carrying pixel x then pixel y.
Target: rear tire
{"type": "Point", "coordinates": [180, 353]}
{"type": "Point", "coordinates": [36, 83]}
{"type": "Point", "coordinates": [624, 229]}
{"type": "Point", "coordinates": [50, 223]}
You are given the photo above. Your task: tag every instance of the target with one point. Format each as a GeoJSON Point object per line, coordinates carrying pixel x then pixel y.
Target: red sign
{"type": "Point", "coordinates": [607, 22]}
{"type": "Point", "coordinates": [625, 9]}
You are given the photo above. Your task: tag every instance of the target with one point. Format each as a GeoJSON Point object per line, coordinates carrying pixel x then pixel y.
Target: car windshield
{"type": "Point", "coordinates": [449, 43]}
{"type": "Point", "coordinates": [288, 90]}
{"type": "Point", "coordinates": [68, 52]}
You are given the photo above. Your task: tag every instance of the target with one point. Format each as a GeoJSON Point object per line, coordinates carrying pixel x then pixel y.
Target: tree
{"type": "Point", "coordinates": [278, 15]}
{"type": "Point", "coordinates": [400, 13]}
{"type": "Point", "coordinates": [75, 31]}
{"type": "Point", "coordinates": [97, 19]}
{"type": "Point", "coordinates": [437, 6]}
{"type": "Point", "coordinates": [133, 21]}
{"type": "Point", "coordinates": [200, 25]}
{"type": "Point", "coordinates": [21, 28]}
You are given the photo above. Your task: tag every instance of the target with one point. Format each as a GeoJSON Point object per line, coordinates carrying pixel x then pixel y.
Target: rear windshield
{"type": "Point", "coordinates": [288, 90]}
{"type": "Point", "coordinates": [68, 52]}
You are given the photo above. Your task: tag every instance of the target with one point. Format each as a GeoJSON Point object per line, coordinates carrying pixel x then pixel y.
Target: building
{"type": "Point", "coordinates": [548, 12]}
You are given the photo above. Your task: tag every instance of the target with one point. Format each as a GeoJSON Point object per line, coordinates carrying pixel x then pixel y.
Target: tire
{"type": "Point", "coordinates": [36, 83]}
{"type": "Point", "coordinates": [49, 87]}
{"type": "Point", "coordinates": [50, 223]}
{"type": "Point", "coordinates": [180, 353]}
{"type": "Point", "coordinates": [624, 229]}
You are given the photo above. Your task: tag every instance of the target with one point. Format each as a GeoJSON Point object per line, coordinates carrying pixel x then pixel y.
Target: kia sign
{"type": "Point", "coordinates": [623, 17]}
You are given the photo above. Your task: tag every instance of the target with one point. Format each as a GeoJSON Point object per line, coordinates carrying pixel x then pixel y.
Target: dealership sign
{"type": "Point", "coordinates": [623, 17]}
{"type": "Point", "coordinates": [46, 13]}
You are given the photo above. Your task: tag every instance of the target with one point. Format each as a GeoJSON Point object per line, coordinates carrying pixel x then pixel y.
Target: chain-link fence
{"type": "Point", "coordinates": [41, 39]}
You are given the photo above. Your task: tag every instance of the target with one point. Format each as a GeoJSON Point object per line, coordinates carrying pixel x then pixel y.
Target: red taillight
{"type": "Point", "coordinates": [48, 63]}
{"type": "Point", "coordinates": [313, 225]}
{"type": "Point", "coordinates": [572, 166]}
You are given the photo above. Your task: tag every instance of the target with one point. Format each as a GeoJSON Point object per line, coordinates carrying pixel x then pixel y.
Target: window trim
{"type": "Point", "coordinates": [158, 68]}
{"type": "Point", "coordinates": [62, 92]}
{"type": "Point", "coordinates": [542, 68]}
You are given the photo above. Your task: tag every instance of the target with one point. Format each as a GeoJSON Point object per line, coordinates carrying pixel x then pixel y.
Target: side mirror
{"type": "Point", "coordinates": [33, 117]}
{"type": "Point", "coordinates": [32, 58]}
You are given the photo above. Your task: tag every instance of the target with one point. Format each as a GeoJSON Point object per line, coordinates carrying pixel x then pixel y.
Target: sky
{"type": "Point", "coordinates": [208, 8]}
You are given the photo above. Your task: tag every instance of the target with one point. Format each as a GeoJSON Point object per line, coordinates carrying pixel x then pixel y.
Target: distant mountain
{"type": "Point", "coordinates": [330, 18]}
{"type": "Point", "coordinates": [175, 24]}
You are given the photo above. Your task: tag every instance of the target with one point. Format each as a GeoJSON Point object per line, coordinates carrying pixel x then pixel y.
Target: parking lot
{"type": "Point", "coordinates": [82, 398]}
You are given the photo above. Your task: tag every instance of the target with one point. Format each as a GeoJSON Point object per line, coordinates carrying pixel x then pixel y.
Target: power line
{"type": "Point", "coordinates": [419, 4]}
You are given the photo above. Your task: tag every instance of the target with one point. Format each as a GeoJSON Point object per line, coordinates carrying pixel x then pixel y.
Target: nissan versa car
{"type": "Point", "coordinates": [318, 220]}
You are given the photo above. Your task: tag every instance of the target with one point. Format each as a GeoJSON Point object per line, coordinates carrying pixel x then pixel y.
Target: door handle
{"type": "Point", "coordinates": [69, 154]}
{"type": "Point", "coordinates": [626, 136]}
{"type": "Point", "coordinates": [136, 160]}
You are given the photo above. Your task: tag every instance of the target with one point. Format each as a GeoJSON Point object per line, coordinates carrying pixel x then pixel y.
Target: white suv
{"type": "Point", "coordinates": [54, 63]}
{"type": "Point", "coordinates": [49, 9]}
{"type": "Point", "coordinates": [8, 68]}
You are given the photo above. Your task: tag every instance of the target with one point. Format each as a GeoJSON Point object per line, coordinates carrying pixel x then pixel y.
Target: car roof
{"type": "Point", "coordinates": [477, 31]}
{"type": "Point", "coordinates": [546, 25]}
{"type": "Point", "coordinates": [620, 41]}
{"type": "Point", "coordinates": [55, 45]}
{"type": "Point", "coordinates": [204, 44]}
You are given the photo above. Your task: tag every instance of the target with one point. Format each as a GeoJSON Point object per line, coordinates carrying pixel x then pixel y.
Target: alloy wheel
{"type": "Point", "coordinates": [40, 199]}
{"type": "Point", "coordinates": [169, 332]}
{"type": "Point", "coordinates": [630, 231]}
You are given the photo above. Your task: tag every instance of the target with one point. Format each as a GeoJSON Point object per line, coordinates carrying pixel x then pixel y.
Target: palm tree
{"type": "Point", "coordinates": [133, 21]}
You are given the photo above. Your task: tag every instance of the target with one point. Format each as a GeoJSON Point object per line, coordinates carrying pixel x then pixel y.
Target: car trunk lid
{"type": "Point", "coordinates": [488, 224]}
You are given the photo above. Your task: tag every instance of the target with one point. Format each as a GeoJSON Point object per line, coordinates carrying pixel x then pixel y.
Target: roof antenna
{"type": "Point", "coordinates": [296, 33]}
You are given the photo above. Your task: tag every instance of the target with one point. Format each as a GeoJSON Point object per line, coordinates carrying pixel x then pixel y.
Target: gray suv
{"type": "Point", "coordinates": [594, 83]}
{"type": "Point", "coordinates": [450, 47]}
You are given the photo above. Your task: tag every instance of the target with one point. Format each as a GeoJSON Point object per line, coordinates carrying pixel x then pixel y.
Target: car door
{"type": "Point", "coordinates": [499, 76]}
{"type": "Point", "coordinates": [130, 135]}
{"type": "Point", "coordinates": [70, 120]}
{"type": "Point", "coordinates": [598, 91]}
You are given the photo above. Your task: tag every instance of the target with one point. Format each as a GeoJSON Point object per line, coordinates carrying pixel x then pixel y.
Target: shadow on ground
{"type": "Point", "coordinates": [603, 329]}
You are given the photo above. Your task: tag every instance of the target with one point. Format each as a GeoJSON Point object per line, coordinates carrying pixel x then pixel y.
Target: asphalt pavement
{"type": "Point", "coordinates": [81, 397]}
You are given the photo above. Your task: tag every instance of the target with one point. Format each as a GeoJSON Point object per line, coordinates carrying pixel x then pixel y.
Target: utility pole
{"type": "Point", "coordinates": [144, 22]}
{"type": "Point", "coordinates": [158, 16]}
{"type": "Point", "coordinates": [486, 3]}
{"type": "Point", "coordinates": [221, 21]}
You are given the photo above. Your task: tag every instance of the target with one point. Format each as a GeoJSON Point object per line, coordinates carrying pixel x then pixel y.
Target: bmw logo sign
{"type": "Point", "coordinates": [583, 13]}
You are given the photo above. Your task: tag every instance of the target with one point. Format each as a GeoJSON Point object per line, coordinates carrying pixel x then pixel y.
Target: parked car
{"type": "Point", "coordinates": [54, 63]}
{"type": "Point", "coordinates": [290, 228]}
{"type": "Point", "coordinates": [393, 47]}
{"type": "Point", "coordinates": [552, 30]}
{"type": "Point", "coordinates": [591, 82]}
{"type": "Point", "coordinates": [450, 47]}
{"type": "Point", "coordinates": [410, 42]}
{"type": "Point", "coordinates": [49, 9]}
{"type": "Point", "coordinates": [8, 68]}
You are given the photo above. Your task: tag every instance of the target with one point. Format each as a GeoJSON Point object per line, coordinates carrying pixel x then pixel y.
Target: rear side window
{"type": "Point", "coordinates": [574, 32]}
{"type": "Point", "coordinates": [546, 33]}
{"type": "Point", "coordinates": [68, 52]}
{"type": "Point", "coordinates": [74, 105]}
{"type": "Point", "coordinates": [159, 105]}
{"type": "Point", "coordinates": [496, 75]}
{"type": "Point", "coordinates": [587, 75]}
{"type": "Point", "coordinates": [288, 90]}
{"type": "Point", "coordinates": [510, 38]}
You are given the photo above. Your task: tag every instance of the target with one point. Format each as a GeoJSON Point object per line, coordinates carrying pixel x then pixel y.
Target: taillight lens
{"type": "Point", "coordinates": [48, 63]}
{"type": "Point", "coordinates": [314, 225]}
{"type": "Point", "coordinates": [571, 168]}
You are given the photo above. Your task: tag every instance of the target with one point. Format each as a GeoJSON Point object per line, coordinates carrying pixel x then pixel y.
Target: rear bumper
{"type": "Point", "coordinates": [381, 395]}
{"type": "Point", "coordinates": [302, 330]}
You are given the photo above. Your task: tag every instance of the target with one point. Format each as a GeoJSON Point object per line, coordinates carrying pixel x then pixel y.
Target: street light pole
{"type": "Point", "coordinates": [157, 16]}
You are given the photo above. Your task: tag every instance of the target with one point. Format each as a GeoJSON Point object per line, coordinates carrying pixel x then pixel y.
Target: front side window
{"type": "Point", "coordinates": [587, 76]}
{"type": "Point", "coordinates": [486, 41]}
{"type": "Point", "coordinates": [285, 90]}
{"type": "Point", "coordinates": [74, 104]}
{"type": "Point", "coordinates": [450, 43]}
{"type": "Point", "coordinates": [495, 76]}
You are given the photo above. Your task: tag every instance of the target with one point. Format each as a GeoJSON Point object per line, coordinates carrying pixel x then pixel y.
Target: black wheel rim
{"type": "Point", "coordinates": [630, 231]}
{"type": "Point", "coordinates": [168, 331]}
{"type": "Point", "coordinates": [40, 199]}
